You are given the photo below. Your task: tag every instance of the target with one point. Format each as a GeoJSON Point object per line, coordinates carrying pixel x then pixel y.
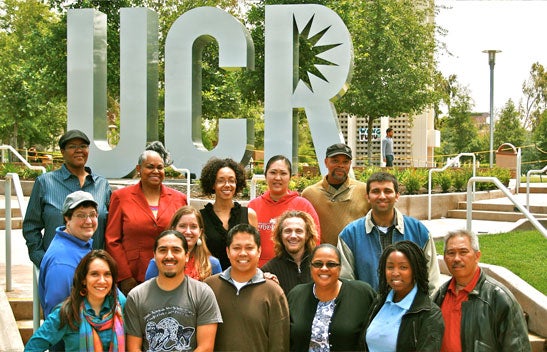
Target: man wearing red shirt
{"type": "Point", "coordinates": [479, 312]}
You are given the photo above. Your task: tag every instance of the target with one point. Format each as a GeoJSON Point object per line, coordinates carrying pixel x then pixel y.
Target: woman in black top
{"type": "Point", "coordinates": [224, 178]}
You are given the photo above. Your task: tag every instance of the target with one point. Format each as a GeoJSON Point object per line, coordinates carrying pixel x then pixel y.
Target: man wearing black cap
{"type": "Point", "coordinates": [50, 190]}
{"type": "Point", "coordinates": [337, 199]}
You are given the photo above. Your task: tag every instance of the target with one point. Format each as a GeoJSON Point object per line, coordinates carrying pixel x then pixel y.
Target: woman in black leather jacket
{"type": "Point", "coordinates": [404, 317]}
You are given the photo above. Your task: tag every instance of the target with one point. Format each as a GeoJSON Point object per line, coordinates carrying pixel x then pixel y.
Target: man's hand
{"type": "Point", "coordinates": [270, 276]}
{"type": "Point", "coordinates": [127, 285]}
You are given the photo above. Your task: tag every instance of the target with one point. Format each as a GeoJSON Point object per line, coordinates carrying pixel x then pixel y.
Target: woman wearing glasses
{"type": "Point", "coordinates": [223, 178]}
{"type": "Point", "coordinates": [404, 318]}
{"type": "Point", "coordinates": [44, 210]}
{"type": "Point", "coordinates": [329, 314]}
{"type": "Point", "coordinates": [138, 214]}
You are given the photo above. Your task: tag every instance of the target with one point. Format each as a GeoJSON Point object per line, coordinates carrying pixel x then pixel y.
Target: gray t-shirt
{"type": "Point", "coordinates": [167, 320]}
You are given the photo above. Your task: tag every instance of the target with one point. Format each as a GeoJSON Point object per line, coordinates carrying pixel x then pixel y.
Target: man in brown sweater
{"type": "Point", "coordinates": [254, 310]}
{"type": "Point", "coordinates": [337, 199]}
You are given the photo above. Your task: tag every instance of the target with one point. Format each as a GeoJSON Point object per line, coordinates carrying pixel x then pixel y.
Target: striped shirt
{"type": "Point", "coordinates": [46, 204]}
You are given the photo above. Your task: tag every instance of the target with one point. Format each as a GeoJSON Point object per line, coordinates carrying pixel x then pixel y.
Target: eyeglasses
{"type": "Point", "coordinates": [83, 217]}
{"type": "Point", "coordinates": [223, 182]}
{"type": "Point", "coordinates": [76, 146]}
{"type": "Point", "coordinates": [320, 265]}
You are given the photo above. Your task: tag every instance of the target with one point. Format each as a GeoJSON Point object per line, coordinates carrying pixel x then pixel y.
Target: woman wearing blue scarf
{"type": "Point", "coordinates": [91, 318]}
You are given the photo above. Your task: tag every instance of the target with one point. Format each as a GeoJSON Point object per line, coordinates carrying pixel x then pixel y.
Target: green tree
{"type": "Point", "coordinates": [508, 128]}
{"type": "Point", "coordinates": [458, 133]}
{"type": "Point", "coordinates": [535, 93]}
{"type": "Point", "coordinates": [539, 137]}
{"type": "Point", "coordinates": [32, 107]}
{"type": "Point", "coordinates": [394, 48]}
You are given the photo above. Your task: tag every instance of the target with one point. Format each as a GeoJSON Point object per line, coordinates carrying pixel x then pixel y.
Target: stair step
{"type": "Point", "coordinates": [490, 215]}
{"type": "Point", "coordinates": [502, 207]}
{"type": "Point", "coordinates": [16, 223]}
{"type": "Point", "coordinates": [538, 343]}
{"type": "Point", "coordinates": [26, 329]}
{"type": "Point", "coordinates": [22, 308]}
{"type": "Point", "coordinates": [522, 189]}
{"type": "Point", "coordinates": [15, 212]}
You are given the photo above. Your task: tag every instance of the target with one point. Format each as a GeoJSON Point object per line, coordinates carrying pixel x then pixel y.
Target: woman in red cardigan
{"type": "Point", "coordinates": [138, 214]}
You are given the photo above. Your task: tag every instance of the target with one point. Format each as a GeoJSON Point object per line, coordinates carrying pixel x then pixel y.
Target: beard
{"type": "Point", "coordinates": [170, 274]}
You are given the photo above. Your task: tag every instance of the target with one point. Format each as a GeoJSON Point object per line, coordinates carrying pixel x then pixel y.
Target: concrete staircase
{"type": "Point", "coordinates": [20, 297]}
{"type": "Point", "coordinates": [502, 210]}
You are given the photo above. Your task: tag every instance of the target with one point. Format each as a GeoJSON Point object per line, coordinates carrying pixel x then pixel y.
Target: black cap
{"type": "Point", "coordinates": [72, 134]}
{"type": "Point", "coordinates": [339, 149]}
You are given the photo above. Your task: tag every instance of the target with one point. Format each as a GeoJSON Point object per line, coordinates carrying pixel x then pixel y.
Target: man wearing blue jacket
{"type": "Point", "coordinates": [362, 241]}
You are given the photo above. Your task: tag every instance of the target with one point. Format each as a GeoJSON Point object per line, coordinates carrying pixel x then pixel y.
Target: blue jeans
{"type": "Point", "coordinates": [389, 160]}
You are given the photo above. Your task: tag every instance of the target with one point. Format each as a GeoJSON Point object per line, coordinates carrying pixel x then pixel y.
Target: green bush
{"type": "Point", "coordinates": [413, 180]}
{"type": "Point", "coordinates": [460, 178]}
{"type": "Point", "coordinates": [443, 180]}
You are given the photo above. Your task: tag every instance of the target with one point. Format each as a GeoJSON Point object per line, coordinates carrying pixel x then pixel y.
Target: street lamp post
{"type": "Point", "coordinates": [491, 62]}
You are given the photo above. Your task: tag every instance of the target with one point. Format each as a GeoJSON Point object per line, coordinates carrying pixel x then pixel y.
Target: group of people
{"type": "Point", "coordinates": [336, 269]}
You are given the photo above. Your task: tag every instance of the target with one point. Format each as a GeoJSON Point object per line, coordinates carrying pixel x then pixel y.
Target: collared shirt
{"type": "Point", "coordinates": [386, 237]}
{"type": "Point", "coordinates": [384, 329]}
{"type": "Point", "coordinates": [44, 210]}
{"type": "Point", "coordinates": [49, 332]}
{"type": "Point", "coordinates": [452, 313]}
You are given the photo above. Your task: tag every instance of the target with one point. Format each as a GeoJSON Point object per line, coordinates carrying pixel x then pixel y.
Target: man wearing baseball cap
{"type": "Point", "coordinates": [337, 198]}
{"type": "Point", "coordinates": [44, 211]}
{"type": "Point", "coordinates": [71, 243]}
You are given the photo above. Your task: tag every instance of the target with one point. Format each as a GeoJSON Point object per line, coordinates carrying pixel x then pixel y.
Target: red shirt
{"type": "Point", "coordinates": [452, 313]}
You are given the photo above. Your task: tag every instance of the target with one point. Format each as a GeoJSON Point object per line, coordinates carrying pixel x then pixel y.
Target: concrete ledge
{"type": "Point", "coordinates": [533, 302]}
{"type": "Point", "coordinates": [10, 339]}
{"type": "Point", "coordinates": [441, 203]}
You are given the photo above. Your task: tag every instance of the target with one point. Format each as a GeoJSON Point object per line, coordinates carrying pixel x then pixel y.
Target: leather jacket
{"type": "Point", "coordinates": [422, 326]}
{"type": "Point", "coordinates": [492, 319]}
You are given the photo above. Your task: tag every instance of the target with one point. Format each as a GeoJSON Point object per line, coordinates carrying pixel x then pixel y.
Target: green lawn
{"type": "Point", "coordinates": [522, 252]}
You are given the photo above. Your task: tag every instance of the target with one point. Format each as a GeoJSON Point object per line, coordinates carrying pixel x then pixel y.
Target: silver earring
{"type": "Point", "coordinates": [199, 242]}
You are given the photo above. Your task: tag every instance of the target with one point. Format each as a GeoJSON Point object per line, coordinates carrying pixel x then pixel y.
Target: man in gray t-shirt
{"type": "Point", "coordinates": [171, 312]}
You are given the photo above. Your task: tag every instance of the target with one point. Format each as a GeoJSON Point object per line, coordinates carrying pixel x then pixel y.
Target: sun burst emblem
{"type": "Point", "coordinates": [307, 52]}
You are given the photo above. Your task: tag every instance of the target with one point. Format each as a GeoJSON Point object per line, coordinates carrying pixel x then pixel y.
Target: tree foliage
{"type": "Point", "coordinates": [535, 96]}
{"type": "Point", "coordinates": [459, 134]}
{"type": "Point", "coordinates": [32, 108]}
{"type": "Point", "coordinates": [394, 48]}
{"type": "Point", "coordinates": [508, 128]}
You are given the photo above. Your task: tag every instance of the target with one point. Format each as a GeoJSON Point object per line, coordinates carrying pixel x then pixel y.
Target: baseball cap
{"type": "Point", "coordinates": [72, 134]}
{"type": "Point", "coordinates": [338, 149]}
{"type": "Point", "coordinates": [76, 198]}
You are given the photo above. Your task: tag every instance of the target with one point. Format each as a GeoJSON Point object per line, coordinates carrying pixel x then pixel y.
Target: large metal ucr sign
{"type": "Point", "coordinates": [284, 89]}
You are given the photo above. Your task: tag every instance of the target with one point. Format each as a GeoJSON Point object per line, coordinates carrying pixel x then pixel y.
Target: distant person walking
{"type": "Point", "coordinates": [387, 147]}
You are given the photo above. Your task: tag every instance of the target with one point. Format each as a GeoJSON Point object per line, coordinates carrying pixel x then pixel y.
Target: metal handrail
{"type": "Point", "coordinates": [507, 193]}
{"type": "Point", "coordinates": [22, 158]}
{"type": "Point", "coordinates": [188, 181]}
{"type": "Point", "coordinates": [528, 183]}
{"type": "Point", "coordinates": [519, 170]}
{"type": "Point", "coordinates": [448, 164]}
{"type": "Point", "coordinates": [255, 178]}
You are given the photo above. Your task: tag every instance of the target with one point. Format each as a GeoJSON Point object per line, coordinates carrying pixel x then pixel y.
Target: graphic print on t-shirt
{"type": "Point", "coordinates": [165, 333]}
